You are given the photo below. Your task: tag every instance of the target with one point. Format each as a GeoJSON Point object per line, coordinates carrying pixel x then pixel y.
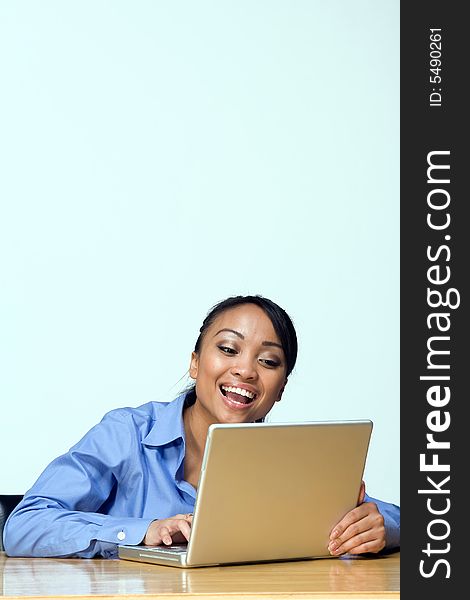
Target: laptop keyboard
{"type": "Point", "coordinates": [181, 549]}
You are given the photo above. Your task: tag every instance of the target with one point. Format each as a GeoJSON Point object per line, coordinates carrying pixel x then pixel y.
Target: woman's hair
{"type": "Point", "coordinates": [282, 324]}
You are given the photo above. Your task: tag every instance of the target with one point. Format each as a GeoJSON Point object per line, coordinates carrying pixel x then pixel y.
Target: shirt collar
{"type": "Point", "coordinates": [168, 425]}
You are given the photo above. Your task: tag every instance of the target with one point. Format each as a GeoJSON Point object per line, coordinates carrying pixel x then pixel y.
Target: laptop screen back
{"type": "Point", "coordinates": [274, 491]}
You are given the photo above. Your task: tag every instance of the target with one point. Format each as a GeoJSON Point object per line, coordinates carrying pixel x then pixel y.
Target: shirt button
{"type": "Point", "coordinates": [121, 535]}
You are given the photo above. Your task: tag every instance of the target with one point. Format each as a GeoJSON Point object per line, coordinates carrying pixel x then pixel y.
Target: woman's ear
{"type": "Point", "coordinates": [193, 366]}
{"type": "Point", "coordinates": [282, 391]}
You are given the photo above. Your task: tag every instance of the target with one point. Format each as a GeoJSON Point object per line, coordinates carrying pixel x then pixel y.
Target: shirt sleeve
{"type": "Point", "coordinates": [61, 514]}
{"type": "Point", "coordinates": [391, 515]}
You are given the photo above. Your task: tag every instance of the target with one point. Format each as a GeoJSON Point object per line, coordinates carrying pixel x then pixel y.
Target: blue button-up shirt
{"type": "Point", "coordinates": [108, 488]}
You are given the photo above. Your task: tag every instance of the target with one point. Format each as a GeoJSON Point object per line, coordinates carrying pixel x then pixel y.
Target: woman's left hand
{"type": "Point", "coordinates": [360, 530]}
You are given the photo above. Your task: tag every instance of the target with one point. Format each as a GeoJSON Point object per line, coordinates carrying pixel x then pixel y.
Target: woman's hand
{"type": "Point", "coordinates": [360, 530]}
{"type": "Point", "coordinates": [174, 530]}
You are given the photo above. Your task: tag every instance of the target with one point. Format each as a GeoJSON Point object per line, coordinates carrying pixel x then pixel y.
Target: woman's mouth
{"type": "Point", "coordinates": [237, 396]}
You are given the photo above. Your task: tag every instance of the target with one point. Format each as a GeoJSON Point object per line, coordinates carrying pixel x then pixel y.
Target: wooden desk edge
{"type": "Point", "coordinates": [230, 596]}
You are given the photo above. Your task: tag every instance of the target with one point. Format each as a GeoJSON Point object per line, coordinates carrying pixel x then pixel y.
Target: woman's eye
{"type": "Point", "coordinates": [227, 350]}
{"type": "Point", "coordinates": [269, 362]}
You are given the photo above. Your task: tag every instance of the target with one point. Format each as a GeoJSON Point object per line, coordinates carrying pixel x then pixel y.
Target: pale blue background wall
{"type": "Point", "coordinates": [157, 157]}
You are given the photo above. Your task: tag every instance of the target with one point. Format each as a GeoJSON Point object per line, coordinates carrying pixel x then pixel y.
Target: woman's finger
{"type": "Point", "coordinates": [362, 526]}
{"type": "Point", "coordinates": [185, 528]}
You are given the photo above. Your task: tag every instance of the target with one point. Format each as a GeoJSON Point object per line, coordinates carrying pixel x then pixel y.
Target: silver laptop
{"type": "Point", "coordinates": [269, 492]}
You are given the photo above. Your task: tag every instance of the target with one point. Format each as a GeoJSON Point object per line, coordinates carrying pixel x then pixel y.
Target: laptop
{"type": "Point", "coordinates": [269, 492]}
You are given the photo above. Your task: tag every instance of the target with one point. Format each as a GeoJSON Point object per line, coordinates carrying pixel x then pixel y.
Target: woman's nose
{"type": "Point", "coordinates": [245, 369]}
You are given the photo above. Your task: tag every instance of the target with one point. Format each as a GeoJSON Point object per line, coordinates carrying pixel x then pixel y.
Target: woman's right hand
{"type": "Point", "coordinates": [174, 530]}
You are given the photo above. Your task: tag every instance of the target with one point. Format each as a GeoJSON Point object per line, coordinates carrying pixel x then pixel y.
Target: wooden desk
{"type": "Point", "coordinates": [358, 578]}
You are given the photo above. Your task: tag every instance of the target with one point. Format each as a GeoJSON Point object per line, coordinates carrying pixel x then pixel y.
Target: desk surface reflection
{"type": "Point", "coordinates": [351, 577]}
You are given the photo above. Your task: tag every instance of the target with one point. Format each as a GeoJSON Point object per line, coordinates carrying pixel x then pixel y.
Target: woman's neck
{"type": "Point", "coordinates": [195, 429]}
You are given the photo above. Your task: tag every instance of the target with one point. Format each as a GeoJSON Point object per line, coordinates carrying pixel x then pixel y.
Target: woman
{"type": "Point", "coordinates": [132, 478]}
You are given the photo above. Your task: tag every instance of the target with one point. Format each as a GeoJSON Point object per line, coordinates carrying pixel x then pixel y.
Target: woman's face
{"type": "Point", "coordinates": [240, 371]}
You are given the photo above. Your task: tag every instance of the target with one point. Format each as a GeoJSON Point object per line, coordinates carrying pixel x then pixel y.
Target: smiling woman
{"type": "Point", "coordinates": [132, 478]}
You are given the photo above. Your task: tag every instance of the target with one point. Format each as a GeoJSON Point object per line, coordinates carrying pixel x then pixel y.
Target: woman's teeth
{"type": "Point", "coordinates": [239, 391]}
